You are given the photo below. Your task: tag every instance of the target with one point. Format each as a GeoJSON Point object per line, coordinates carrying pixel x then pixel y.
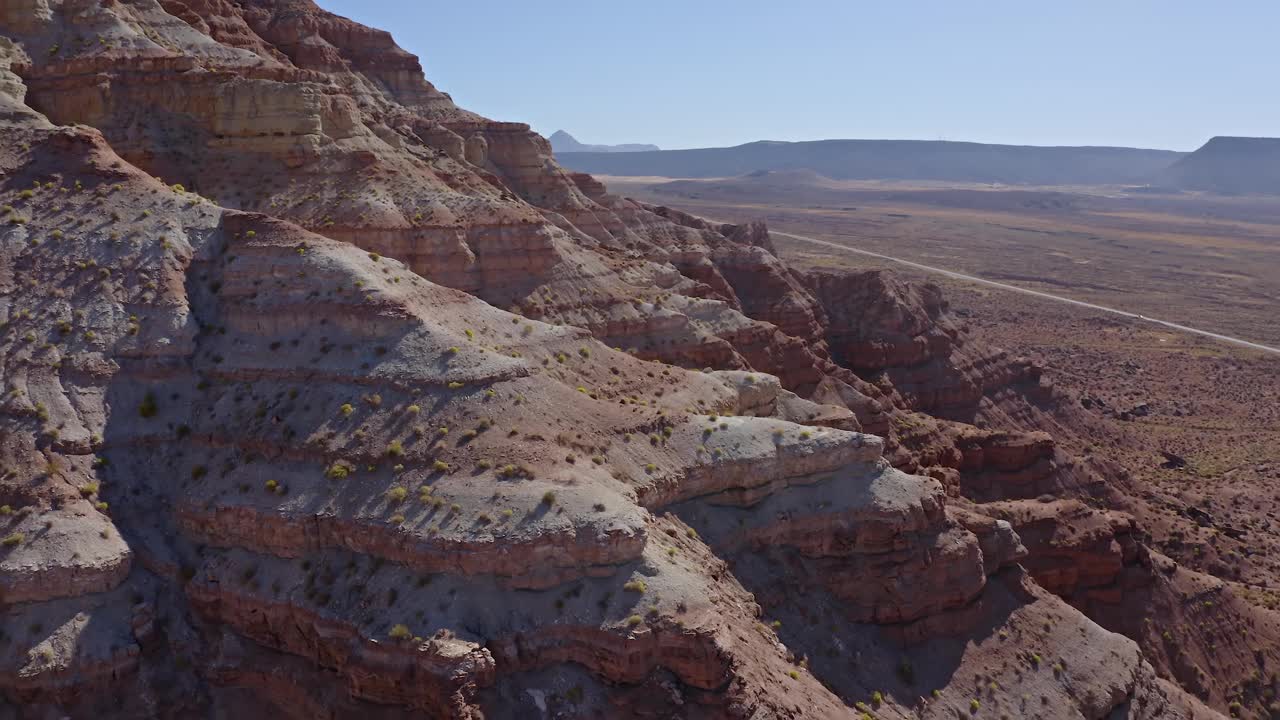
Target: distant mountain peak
{"type": "Point", "coordinates": [563, 142]}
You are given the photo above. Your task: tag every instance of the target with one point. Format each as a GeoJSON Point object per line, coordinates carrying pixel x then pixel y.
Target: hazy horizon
{"type": "Point", "coordinates": [722, 74]}
{"type": "Point", "coordinates": [589, 141]}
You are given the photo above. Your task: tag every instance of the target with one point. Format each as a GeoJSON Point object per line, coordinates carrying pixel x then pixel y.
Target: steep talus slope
{"type": "Point", "coordinates": [184, 446]}
{"type": "Point", "coordinates": [271, 443]}
{"type": "Point", "coordinates": [342, 139]}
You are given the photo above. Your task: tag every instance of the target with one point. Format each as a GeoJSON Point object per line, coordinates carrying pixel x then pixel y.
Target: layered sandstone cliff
{"type": "Point", "coordinates": [324, 397]}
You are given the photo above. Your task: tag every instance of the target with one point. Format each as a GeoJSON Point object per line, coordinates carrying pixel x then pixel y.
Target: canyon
{"type": "Point", "coordinates": [324, 397]}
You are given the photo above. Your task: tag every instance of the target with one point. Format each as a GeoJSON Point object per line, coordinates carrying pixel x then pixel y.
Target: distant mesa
{"type": "Point", "coordinates": [892, 160]}
{"type": "Point", "coordinates": [563, 142]}
{"type": "Point", "coordinates": [1228, 165]}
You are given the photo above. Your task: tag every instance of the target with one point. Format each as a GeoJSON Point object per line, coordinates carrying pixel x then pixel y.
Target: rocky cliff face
{"type": "Point", "coordinates": [324, 397]}
{"type": "Point", "coordinates": [880, 325]}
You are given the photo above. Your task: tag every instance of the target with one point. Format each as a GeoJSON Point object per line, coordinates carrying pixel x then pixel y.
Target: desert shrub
{"type": "Point", "coordinates": [634, 620]}
{"type": "Point", "coordinates": [635, 586]}
{"type": "Point", "coordinates": [413, 409]}
{"type": "Point", "coordinates": [549, 497]}
{"type": "Point", "coordinates": [339, 470]}
{"type": "Point", "coordinates": [13, 539]}
{"type": "Point", "coordinates": [397, 494]}
{"type": "Point", "coordinates": [440, 466]}
{"type": "Point", "coordinates": [148, 408]}
{"type": "Point", "coordinates": [906, 672]}
{"type": "Point", "coordinates": [346, 409]}
{"type": "Point", "coordinates": [395, 448]}
{"type": "Point", "coordinates": [399, 632]}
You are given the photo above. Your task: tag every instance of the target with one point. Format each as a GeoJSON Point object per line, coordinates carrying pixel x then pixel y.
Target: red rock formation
{"type": "Point", "coordinates": [880, 324]}
{"type": "Point", "coordinates": [267, 411]}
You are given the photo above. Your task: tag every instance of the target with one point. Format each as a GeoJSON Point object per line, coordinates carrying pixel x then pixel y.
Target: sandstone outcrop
{"type": "Point", "coordinates": [880, 324]}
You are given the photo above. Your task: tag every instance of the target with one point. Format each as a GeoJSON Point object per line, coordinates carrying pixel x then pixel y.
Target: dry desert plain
{"type": "Point", "coordinates": [1210, 262]}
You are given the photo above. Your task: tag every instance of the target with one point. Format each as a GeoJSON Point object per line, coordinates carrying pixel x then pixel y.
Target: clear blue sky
{"type": "Point", "coordinates": [699, 73]}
